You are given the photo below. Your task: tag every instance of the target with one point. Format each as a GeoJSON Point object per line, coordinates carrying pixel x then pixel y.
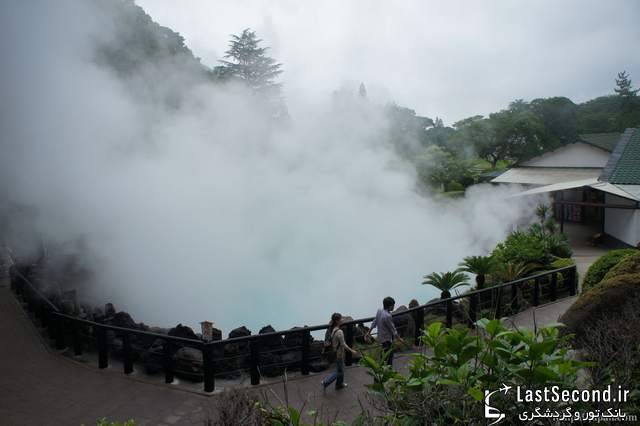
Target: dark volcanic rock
{"type": "Point", "coordinates": [188, 364]}
{"type": "Point", "coordinates": [109, 310]}
{"type": "Point", "coordinates": [239, 332]}
{"type": "Point", "coordinates": [405, 324]}
{"type": "Point", "coordinates": [122, 319]}
{"type": "Point", "coordinates": [273, 342]}
{"type": "Point", "coordinates": [183, 331]}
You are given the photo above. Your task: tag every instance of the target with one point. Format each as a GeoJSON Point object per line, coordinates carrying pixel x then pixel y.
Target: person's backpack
{"type": "Point", "coordinates": [328, 352]}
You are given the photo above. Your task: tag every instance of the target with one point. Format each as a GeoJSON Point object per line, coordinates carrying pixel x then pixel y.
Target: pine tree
{"type": "Point", "coordinates": [624, 88]}
{"type": "Point", "coordinates": [249, 62]}
{"type": "Point", "coordinates": [362, 91]}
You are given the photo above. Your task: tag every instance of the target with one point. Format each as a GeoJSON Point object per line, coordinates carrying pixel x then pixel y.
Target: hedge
{"type": "Point", "coordinates": [600, 302]}
{"type": "Point", "coordinates": [628, 265]}
{"type": "Point", "coordinates": [600, 267]}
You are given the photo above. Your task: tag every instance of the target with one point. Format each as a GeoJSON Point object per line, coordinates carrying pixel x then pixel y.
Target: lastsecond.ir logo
{"type": "Point", "coordinates": [492, 412]}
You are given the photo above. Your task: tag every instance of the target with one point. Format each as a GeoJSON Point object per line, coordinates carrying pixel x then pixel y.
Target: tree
{"type": "Point", "coordinates": [519, 134]}
{"type": "Point", "coordinates": [624, 88]}
{"type": "Point", "coordinates": [250, 64]}
{"type": "Point", "coordinates": [558, 116]}
{"type": "Point", "coordinates": [479, 265]}
{"type": "Point", "coordinates": [437, 167]}
{"type": "Point", "coordinates": [362, 91]}
{"type": "Point", "coordinates": [446, 281]}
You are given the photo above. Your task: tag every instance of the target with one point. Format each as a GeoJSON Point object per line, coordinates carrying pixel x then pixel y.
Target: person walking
{"type": "Point", "coordinates": [339, 346]}
{"type": "Point", "coordinates": [387, 332]}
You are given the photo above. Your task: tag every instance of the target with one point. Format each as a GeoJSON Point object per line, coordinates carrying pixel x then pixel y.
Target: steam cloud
{"type": "Point", "coordinates": [206, 211]}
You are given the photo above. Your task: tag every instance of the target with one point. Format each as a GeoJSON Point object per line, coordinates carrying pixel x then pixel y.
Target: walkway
{"type": "Point", "coordinates": [39, 387]}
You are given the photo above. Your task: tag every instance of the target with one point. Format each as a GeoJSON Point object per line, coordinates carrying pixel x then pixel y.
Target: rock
{"type": "Point", "coordinates": [270, 365]}
{"type": "Point", "coordinates": [405, 324]}
{"type": "Point", "coordinates": [188, 364]}
{"type": "Point", "coordinates": [109, 310]}
{"type": "Point", "coordinates": [274, 342]}
{"type": "Point", "coordinates": [122, 319]}
{"type": "Point", "coordinates": [152, 357]}
{"type": "Point", "coordinates": [239, 332]}
{"type": "Point", "coordinates": [293, 340]}
{"type": "Point", "coordinates": [183, 331]}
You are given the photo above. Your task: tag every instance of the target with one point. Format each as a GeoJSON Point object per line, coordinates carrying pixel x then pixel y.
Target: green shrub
{"type": "Point", "coordinates": [562, 262]}
{"type": "Point", "coordinates": [600, 267]}
{"type": "Point", "coordinates": [445, 384]}
{"type": "Point", "coordinates": [521, 247]}
{"type": "Point", "coordinates": [599, 302]}
{"type": "Point", "coordinates": [455, 186]}
{"type": "Point", "coordinates": [628, 265]}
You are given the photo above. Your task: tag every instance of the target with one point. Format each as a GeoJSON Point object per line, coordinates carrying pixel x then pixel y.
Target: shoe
{"type": "Point", "coordinates": [344, 385]}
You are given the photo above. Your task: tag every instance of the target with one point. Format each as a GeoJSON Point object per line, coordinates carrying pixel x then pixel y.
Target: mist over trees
{"type": "Point", "coordinates": [443, 155]}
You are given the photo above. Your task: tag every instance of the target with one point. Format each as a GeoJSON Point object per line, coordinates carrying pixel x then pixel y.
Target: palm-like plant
{"type": "Point", "coordinates": [479, 265]}
{"type": "Point", "coordinates": [446, 281]}
{"type": "Point", "coordinates": [511, 271]}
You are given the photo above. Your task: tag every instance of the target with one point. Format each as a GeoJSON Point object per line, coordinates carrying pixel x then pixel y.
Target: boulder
{"type": "Point", "coordinates": [122, 319]}
{"type": "Point", "coordinates": [405, 323]}
{"type": "Point", "coordinates": [109, 310]}
{"type": "Point", "coordinates": [183, 331]}
{"type": "Point", "coordinates": [274, 342]}
{"type": "Point", "coordinates": [152, 357]}
{"type": "Point", "coordinates": [293, 340]}
{"type": "Point", "coordinates": [188, 364]}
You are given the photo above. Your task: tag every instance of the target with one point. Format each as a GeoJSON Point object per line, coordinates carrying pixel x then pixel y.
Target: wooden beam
{"type": "Point", "coordinates": [605, 205]}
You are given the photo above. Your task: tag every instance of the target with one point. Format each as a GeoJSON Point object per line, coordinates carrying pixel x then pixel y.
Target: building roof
{"type": "Point", "coordinates": [546, 175]}
{"type": "Point", "coordinates": [631, 192]}
{"type": "Point", "coordinates": [606, 141]}
{"type": "Point", "coordinates": [624, 164]}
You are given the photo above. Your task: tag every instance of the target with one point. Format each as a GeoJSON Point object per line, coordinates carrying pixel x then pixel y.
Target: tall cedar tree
{"type": "Point", "coordinates": [249, 62]}
{"type": "Point", "coordinates": [624, 88]}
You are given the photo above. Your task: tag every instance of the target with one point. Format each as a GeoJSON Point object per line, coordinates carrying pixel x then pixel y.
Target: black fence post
{"type": "Point", "coordinates": [60, 343]}
{"type": "Point", "coordinates": [77, 339]}
{"type": "Point", "coordinates": [306, 346]}
{"type": "Point", "coordinates": [167, 350]}
{"type": "Point", "coordinates": [127, 353]}
{"type": "Point", "coordinates": [473, 310]}
{"type": "Point", "coordinates": [254, 347]}
{"type": "Point", "coordinates": [103, 350]}
{"type": "Point", "coordinates": [554, 286]}
{"type": "Point", "coordinates": [449, 313]}
{"type": "Point", "coordinates": [419, 318]}
{"type": "Point", "coordinates": [515, 305]}
{"type": "Point", "coordinates": [536, 292]}
{"type": "Point", "coordinates": [209, 370]}
{"type": "Point", "coordinates": [498, 311]}
{"type": "Point", "coordinates": [349, 341]}
{"type": "Point", "coordinates": [573, 282]}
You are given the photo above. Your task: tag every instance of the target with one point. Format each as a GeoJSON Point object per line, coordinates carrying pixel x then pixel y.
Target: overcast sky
{"type": "Point", "coordinates": [450, 59]}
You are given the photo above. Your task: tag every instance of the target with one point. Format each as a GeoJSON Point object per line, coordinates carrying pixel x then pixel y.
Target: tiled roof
{"type": "Point", "coordinates": [623, 167]}
{"type": "Point", "coordinates": [606, 141]}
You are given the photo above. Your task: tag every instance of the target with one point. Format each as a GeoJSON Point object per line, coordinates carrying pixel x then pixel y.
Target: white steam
{"type": "Point", "coordinates": [206, 211]}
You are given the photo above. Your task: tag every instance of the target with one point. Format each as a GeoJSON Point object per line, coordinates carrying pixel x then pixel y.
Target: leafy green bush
{"type": "Point", "coordinates": [600, 267]}
{"type": "Point", "coordinates": [608, 297]}
{"type": "Point", "coordinates": [455, 186]}
{"type": "Point", "coordinates": [628, 265]}
{"type": "Point", "coordinates": [562, 262]}
{"type": "Point", "coordinates": [521, 247]}
{"type": "Point", "coordinates": [463, 365]}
